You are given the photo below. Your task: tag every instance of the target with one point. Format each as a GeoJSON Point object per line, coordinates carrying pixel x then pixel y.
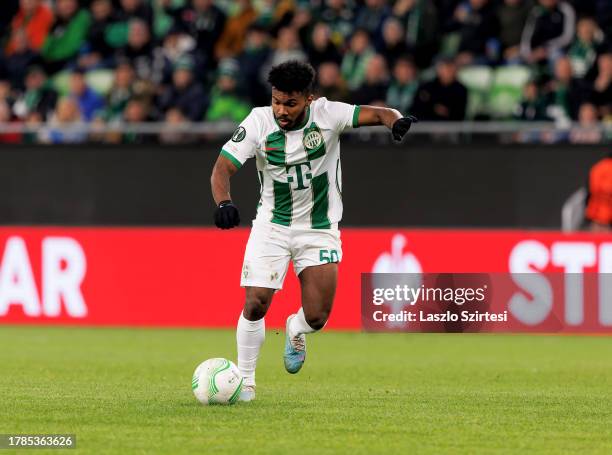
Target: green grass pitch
{"type": "Point", "coordinates": [127, 391]}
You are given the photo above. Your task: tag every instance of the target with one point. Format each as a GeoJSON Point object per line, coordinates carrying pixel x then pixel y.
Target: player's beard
{"type": "Point", "coordinates": [292, 123]}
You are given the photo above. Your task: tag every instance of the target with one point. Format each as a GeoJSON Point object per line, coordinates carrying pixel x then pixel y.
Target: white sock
{"type": "Point", "coordinates": [298, 325]}
{"type": "Point", "coordinates": [250, 336]}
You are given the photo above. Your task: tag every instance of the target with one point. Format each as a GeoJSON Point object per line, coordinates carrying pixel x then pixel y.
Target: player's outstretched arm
{"type": "Point", "coordinates": [391, 118]}
{"type": "Point", "coordinates": [226, 213]}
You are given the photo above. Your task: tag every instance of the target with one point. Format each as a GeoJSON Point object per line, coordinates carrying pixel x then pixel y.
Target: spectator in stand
{"type": "Point", "coordinates": [475, 22]}
{"type": "Point", "coordinates": [565, 93]}
{"type": "Point", "coordinates": [534, 105]}
{"type": "Point", "coordinates": [339, 16]}
{"type": "Point", "coordinates": [129, 11]}
{"type": "Point", "coordinates": [89, 102]}
{"type": "Point", "coordinates": [20, 59]}
{"type": "Point", "coordinates": [33, 20]}
{"type": "Point", "coordinates": [137, 111]}
{"type": "Point", "coordinates": [371, 18]}
{"type": "Point", "coordinates": [275, 14]}
{"type": "Point", "coordinates": [136, 9]}
{"type": "Point", "coordinates": [587, 131]}
{"type": "Point", "coordinates": [7, 118]}
{"type": "Point", "coordinates": [6, 92]}
{"type": "Point", "coordinates": [420, 20]}
{"type": "Point", "coordinates": [322, 49]}
{"type": "Point", "coordinates": [356, 59]}
{"type": "Point", "coordinates": [288, 47]}
{"type": "Point", "coordinates": [511, 17]}
{"type": "Point", "coordinates": [549, 29]}
{"type": "Point", "coordinates": [185, 93]}
{"type": "Point", "coordinates": [39, 97]}
{"type": "Point", "coordinates": [97, 51]}
{"type": "Point", "coordinates": [602, 86]}
{"type": "Point", "coordinates": [231, 41]}
{"type": "Point", "coordinates": [139, 50]}
{"type": "Point", "coordinates": [176, 45]}
{"type": "Point", "coordinates": [583, 51]}
{"type": "Point", "coordinates": [330, 83]}
{"type": "Point", "coordinates": [67, 35]}
{"type": "Point", "coordinates": [599, 198]}
{"type": "Point", "coordinates": [252, 60]}
{"type": "Point", "coordinates": [374, 88]}
{"type": "Point", "coordinates": [172, 132]}
{"type": "Point", "coordinates": [444, 98]}
{"type": "Point", "coordinates": [302, 22]}
{"type": "Point", "coordinates": [225, 104]}
{"type": "Point", "coordinates": [404, 85]}
{"type": "Point", "coordinates": [394, 42]}
{"type": "Point", "coordinates": [121, 92]}
{"type": "Point", "coordinates": [61, 128]}
{"type": "Point", "coordinates": [205, 22]}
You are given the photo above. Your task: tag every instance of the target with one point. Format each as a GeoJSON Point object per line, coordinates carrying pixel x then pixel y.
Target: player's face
{"type": "Point", "coordinates": [289, 108]}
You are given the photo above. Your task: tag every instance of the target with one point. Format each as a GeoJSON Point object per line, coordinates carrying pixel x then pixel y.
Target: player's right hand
{"type": "Point", "coordinates": [226, 215]}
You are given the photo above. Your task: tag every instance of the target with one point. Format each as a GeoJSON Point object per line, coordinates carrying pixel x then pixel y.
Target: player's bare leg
{"type": "Point", "coordinates": [250, 335]}
{"type": "Point", "coordinates": [318, 291]}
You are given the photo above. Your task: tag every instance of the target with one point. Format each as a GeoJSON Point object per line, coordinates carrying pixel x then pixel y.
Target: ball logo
{"type": "Point", "coordinates": [397, 262]}
{"type": "Point", "coordinates": [239, 134]}
{"type": "Point", "coordinates": [313, 140]}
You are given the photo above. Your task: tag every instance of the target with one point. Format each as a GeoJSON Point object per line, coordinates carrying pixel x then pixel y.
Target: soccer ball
{"type": "Point", "coordinates": [216, 381]}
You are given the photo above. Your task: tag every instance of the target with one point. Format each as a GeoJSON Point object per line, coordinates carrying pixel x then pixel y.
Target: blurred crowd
{"type": "Point", "coordinates": [115, 62]}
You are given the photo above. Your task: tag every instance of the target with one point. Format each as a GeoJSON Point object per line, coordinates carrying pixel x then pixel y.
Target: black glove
{"type": "Point", "coordinates": [226, 215]}
{"type": "Point", "coordinates": [401, 126]}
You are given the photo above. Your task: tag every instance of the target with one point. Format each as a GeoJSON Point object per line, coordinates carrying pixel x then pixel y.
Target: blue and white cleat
{"type": "Point", "coordinates": [295, 350]}
{"type": "Point", "coordinates": [247, 393]}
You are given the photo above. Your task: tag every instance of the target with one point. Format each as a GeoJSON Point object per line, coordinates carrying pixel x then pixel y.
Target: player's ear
{"type": "Point", "coordinates": [309, 99]}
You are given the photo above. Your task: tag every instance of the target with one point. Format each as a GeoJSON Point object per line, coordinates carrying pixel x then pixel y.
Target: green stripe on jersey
{"type": "Point", "coordinates": [231, 157]}
{"type": "Point", "coordinates": [320, 202]}
{"type": "Point", "coordinates": [275, 148]}
{"type": "Point", "coordinates": [356, 116]}
{"type": "Point", "coordinates": [261, 190]}
{"type": "Point", "coordinates": [283, 204]}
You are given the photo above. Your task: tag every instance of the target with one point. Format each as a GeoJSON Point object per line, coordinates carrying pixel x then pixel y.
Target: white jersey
{"type": "Point", "coordinates": [299, 169]}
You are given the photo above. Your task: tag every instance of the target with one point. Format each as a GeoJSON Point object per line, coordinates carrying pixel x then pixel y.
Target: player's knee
{"type": "Point", "coordinates": [317, 320]}
{"type": "Point", "coordinates": [255, 307]}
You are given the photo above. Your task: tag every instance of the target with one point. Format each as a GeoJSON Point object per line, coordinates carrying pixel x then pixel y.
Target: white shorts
{"type": "Point", "coordinates": [271, 246]}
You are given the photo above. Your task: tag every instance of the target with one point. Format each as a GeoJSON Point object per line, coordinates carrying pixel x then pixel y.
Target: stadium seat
{"type": "Point", "coordinates": [507, 90]}
{"type": "Point", "coordinates": [477, 79]}
{"type": "Point", "coordinates": [61, 81]}
{"type": "Point", "coordinates": [100, 80]}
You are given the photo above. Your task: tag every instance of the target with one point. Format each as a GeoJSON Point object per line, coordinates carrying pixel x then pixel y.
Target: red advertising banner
{"type": "Point", "coordinates": [190, 277]}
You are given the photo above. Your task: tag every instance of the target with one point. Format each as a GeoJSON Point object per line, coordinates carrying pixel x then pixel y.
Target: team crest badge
{"type": "Point", "coordinates": [313, 140]}
{"type": "Point", "coordinates": [239, 134]}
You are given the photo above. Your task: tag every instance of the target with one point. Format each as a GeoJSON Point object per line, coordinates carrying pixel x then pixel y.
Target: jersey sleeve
{"type": "Point", "coordinates": [243, 142]}
{"type": "Point", "coordinates": [342, 115]}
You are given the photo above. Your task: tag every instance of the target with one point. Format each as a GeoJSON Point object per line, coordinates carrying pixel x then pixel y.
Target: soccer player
{"type": "Point", "coordinates": [296, 145]}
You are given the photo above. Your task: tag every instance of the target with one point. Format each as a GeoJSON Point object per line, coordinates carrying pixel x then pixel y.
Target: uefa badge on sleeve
{"type": "Point", "coordinates": [239, 134]}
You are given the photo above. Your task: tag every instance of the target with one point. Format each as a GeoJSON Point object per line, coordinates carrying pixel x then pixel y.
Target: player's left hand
{"type": "Point", "coordinates": [401, 126]}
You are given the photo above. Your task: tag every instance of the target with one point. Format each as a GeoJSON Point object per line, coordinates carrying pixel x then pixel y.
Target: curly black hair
{"type": "Point", "coordinates": [292, 76]}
